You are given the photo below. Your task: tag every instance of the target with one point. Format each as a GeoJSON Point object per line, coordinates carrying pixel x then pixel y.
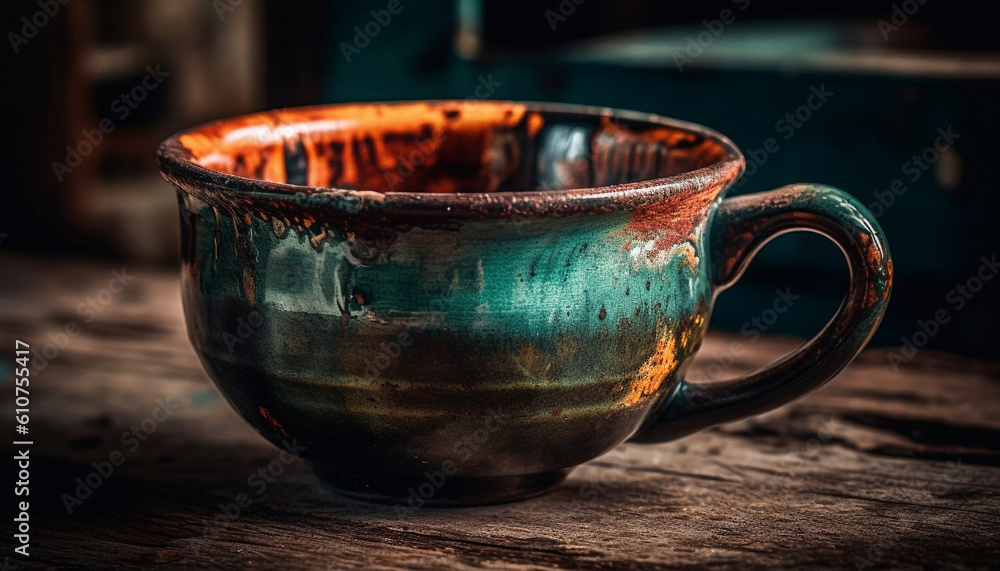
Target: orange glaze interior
{"type": "Point", "coordinates": [447, 147]}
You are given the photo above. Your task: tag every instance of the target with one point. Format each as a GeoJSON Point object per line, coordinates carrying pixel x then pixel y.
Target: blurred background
{"type": "Point", "coordinates": [854, 94]}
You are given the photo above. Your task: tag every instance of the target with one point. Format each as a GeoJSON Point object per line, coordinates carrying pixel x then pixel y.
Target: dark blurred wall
{"type": "Point", "coordinates": [861, 138]}
{"type": "Point", "coordinates": [38, 118]}
{"type": "Point", "coordinates": [93, 87]}
{"type": "Point", "coordinates": [887, 94]}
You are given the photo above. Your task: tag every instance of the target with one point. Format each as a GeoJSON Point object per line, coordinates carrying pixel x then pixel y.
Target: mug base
{"type": "Point", "coordinates": [449, 491]}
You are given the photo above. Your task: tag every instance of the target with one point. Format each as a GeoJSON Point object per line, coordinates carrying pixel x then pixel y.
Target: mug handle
{"type": "Point", "coordinates": [742, 225]}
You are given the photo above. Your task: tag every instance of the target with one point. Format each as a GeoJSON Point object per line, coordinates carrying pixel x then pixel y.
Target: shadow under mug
{"type": "Point", "coordinates": [455, 303]}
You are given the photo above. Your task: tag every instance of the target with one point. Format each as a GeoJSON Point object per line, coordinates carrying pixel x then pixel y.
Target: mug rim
{"type": "Point", "coordinates": [180, 167]}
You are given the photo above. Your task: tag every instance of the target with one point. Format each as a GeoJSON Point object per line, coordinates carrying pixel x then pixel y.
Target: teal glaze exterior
{"type": "Point", "coordinates": [520, 317]}
{"type": "Point", "coordinates": [456, 349]}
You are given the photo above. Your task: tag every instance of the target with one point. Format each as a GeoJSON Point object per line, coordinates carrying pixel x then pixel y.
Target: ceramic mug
{"type": "Point", "coordinates": [452, 303]}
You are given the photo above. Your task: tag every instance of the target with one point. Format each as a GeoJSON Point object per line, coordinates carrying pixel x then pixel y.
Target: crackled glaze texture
{"type": "Point", "coordinates": [456, 302]}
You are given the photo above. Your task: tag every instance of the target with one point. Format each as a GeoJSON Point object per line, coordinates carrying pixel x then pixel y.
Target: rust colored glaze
{"type": "Point", "coordinates": [403, 277]}
{"type": "Point", "coordinates": [266, 415]}
{"type": "Point", "coordinates": [476, 172]}
{"type": "Point", "coordinates": [362, 146]}
{"type": "Point", "coordinates": [669, 222]}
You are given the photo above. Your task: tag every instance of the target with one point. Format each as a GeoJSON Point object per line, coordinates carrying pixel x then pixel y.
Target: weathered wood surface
{"type": "Point", "coordinates": [877, 470]}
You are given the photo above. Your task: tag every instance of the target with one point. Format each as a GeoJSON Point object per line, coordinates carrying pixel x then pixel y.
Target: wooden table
{"type": "Point", "coordinates": [877, 470]}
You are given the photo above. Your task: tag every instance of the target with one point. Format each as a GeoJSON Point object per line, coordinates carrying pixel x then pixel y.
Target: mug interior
{"type": "Point", "coordinates": [452, 147]}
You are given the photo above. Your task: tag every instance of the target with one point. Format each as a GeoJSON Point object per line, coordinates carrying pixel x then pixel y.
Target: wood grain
{"type": "Point", "coordinates": [879, 469]}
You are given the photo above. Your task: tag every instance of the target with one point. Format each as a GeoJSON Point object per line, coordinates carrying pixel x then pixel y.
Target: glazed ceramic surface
{"type": "Point", "coordinates": [457, 302]}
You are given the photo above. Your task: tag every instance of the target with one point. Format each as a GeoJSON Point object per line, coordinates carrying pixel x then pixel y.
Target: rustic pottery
{"type": "Point", "coordinates": [454, 303]}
